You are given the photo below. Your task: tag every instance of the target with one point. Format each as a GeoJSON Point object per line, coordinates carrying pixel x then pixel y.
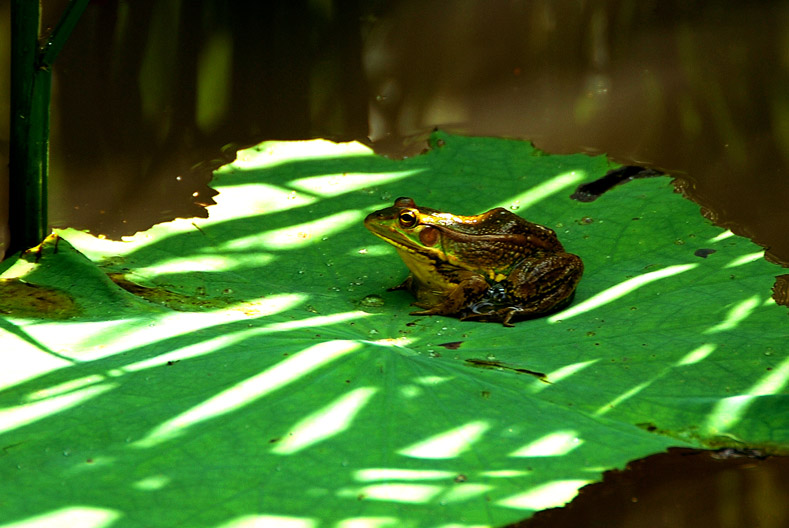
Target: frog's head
{"type": "Point", "coordinates": [413, 229]}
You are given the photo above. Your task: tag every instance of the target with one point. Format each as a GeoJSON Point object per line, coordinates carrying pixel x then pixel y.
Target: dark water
{"type": "Point", "coordinates": [680, 489]}
{"type": "Point", "coordinates": [150, 96]}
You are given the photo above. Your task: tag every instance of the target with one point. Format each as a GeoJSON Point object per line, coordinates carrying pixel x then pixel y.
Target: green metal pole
{"type": "Point", "coordinates": [27, 216]}
{"type": "Point", "coordinates": [31, 83]}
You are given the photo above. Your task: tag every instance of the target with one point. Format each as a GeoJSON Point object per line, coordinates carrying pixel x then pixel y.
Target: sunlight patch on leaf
{"type": "Point", "coordinates": [81, 516]}
{"type": "Point", "coordinates": [272, 153]}
{"type": "Point", "coordinates": [201, 348]}
{"type": "Point", "coordinates": [623, 397]}
{"type": "Point", "coordinates": [722, 236]}
{"type": "Point", "coordinates": [504, 473]}
{"type": "Point", "coordinates": [736, 315]}
{"type": "Point", "coordinates": [728, 411]}
{"type": "Point", "coordinates": [250, 200]}
{"type": "Point", "coordinates": [269, 521]}
{"type": "Point", "coordinates": [620, 290]}
{"type": "Point", "coordinates": [557, 443]}
{"type": "Point", "coordinates": [463, 492]}
{"type": "Point", "coordinates": [694, 356]}
{"type": "Point", "coordinates": [448, 444]}
{"type": "Point", "coordinates": [98, 248]}
{"type": "Point", "coordinates": [394, 492]}
{"type": "Point", "coordinates": [410, 391]}
{"type": "Point", "coordinates": [369, 522]}
{"type": "Point", "coordinates": [400, 343]}
{"type": "Point", "coordinates": [245, 392]}
{"type": "Point", "coordinates": [152, 483]}
{"type": "Point", "coordinates": [22, 361]}
{"type": "Point", "coordinates": [549, 495]}
{"type": "Point", "coordinates": [431, 380]}
{"type": "Point", "coordinates": [335, 184]}
{"type": "Point", "coordinates": [81, 341]}
{"type": "Point", "coordinates": [543, 190]}
{"type": "Point", "coordinates": [64, 388]}
{"type": "Point", "coordinates": [745, 259]}
{"type": "Point", "coordinates": [142, 333]}
{"type": "Point", "coordinates": [27, 413]}
{"type": "Point", "coordinates": [204, 263]}
{"type": "Point", "coordinates": [560, 374]}
{"type": "Point", "coordinates": [371, 474]}
{"type": "Point", "coordinates": [325, 423]}
{"type": "Point", "coordinates": [296, 236]}
{"type": "Point", "coordinates": [699, 354]}
{"type": "Point", "coordinates": [460, 525]}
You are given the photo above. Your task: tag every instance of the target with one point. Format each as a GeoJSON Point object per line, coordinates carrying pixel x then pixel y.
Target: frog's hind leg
{"type": "Point", "coordinates": [543, 286]}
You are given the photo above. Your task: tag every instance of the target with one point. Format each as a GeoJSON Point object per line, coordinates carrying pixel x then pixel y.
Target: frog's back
{"type": "Point", "coordinates": [501, 221]}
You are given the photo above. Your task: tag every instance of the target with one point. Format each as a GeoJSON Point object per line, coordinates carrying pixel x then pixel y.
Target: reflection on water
{"type": "Point", "coordinates": [699, 92]}
{"type": "Point", "coordinates": [142, 115]}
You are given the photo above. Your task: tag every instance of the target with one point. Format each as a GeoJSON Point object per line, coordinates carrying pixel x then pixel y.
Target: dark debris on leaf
{"type": "Point", "coordinates": [589, 192]}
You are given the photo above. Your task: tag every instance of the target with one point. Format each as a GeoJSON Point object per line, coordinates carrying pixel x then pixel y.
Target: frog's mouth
{"type": "Point", "coordinates": [409, 249]}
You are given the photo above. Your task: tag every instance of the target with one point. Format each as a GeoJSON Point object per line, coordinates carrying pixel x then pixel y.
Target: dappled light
{"type": "Point", "coordinates": [620, 290]}
{"type": "Point", "coordinates": [394, 492]}
{"type": "Point", "coordinates": [251, 200]}
{"type": "Point", "coordinates": [558, 183]}
{"type": "Point", "coordinates": [745, 259]}
{"type": "Point", "coordinates": [697, 355]}
{"type": "Point", "coordinates": [629, 393]}
{"type": "Point", "coordinates": [295, 236]}
{"type": "Point", "coordinates": [152, 483]}
{"type": "Point", "coordinates": [93, 344]}
{"type": "Point", "coordinates": [557, 443]}
{"type": "Point", "coordinates": [371, 522]}
{"type": "Point", "coordinates": [561, 374]}
{"type": "Point", "coordinates": [275, 521]}
{"type": "Point", "coordinates": [82, 516]}
{"type": "Point", "coordinates": [247, 391]}
{"type": "Point", "coordinates": [549, 495]}
{"type": "Point", "coordinates": [373, 474]}
{"type": "Point", "coordinates": [254, 369]}
{"type": "Point", "coordinates": [324, 423]}
{"type": "Point", "coordinates": [448, 444]}
{"type": "Point", "coordinates": [729, 411]}
{"type": "Point", "coordinates": [205, 263]}
{"type": "Point", "coordinates": [337, 184]}
{"type": "Point", "coordinates": [27, 413]}
{"type": "Point", "coordinates": [735, 315]}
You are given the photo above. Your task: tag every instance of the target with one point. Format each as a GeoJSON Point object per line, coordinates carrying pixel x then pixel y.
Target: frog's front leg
{"type": "Point", "coordinates": [540, 286]}
{"type": "Point", "coordinates": [470, 288]}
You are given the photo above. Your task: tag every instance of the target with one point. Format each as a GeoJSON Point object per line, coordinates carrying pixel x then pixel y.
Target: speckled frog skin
{"type": "Point", "coordinates": [494, 266]}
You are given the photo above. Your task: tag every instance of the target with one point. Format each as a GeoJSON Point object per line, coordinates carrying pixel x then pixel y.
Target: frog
{"type": "Point", "coordinates": [491, 267]}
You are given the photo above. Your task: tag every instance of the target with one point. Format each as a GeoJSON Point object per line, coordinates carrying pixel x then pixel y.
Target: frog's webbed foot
{"type": "Point", "coordinates": [503, 315]}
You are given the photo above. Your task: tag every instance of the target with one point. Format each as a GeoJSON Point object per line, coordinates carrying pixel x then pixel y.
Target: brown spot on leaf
{"type": "Point", "coordinates": [22, 299]}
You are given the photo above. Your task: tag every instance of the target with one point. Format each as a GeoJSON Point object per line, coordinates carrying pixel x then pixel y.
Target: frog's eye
{"type": "Point", "coordinates": [407, 219]}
